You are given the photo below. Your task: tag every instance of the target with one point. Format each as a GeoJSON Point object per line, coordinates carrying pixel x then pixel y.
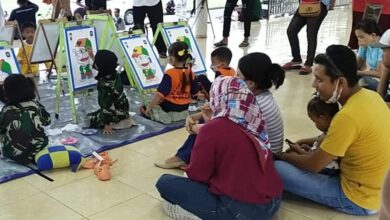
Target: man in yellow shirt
{"type": "Point", "coordinates": [28, 32]}
{"type": "Point", "coordinates": [358, 134]}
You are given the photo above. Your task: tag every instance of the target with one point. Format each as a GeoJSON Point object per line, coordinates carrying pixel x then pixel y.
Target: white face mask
{"type": "Point", "coordinates": [335, 96]}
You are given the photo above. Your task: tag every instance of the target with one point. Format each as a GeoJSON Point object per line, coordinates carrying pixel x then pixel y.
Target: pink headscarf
{"type": "Point", "coordinates": [231, 98]}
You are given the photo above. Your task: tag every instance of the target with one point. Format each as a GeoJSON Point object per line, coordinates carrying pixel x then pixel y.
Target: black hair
{"type": "Point", "coordinates": [339, 61]}
{"type": "Point", "coordinates": [117, 9]}
{"type": "Point", "coordinates": [368, 26]}
{"type": "Point", "coordinates": [259, 68]}
{"type": "Point", "coordinates": [81, 11]}
{"type": "Point", "coordinates": [180, 51]}
{"type": "Point", "coordinates": [105, 62]}
{"type": "Point", "coordinates": [28, 25]}
{"type": "Point", "coordinates": [17, 89]}
{"type": "Point", "coordinates": [222, 53]}
{"type": "Point", "coordinates": [318, 107]}
{"type": "Point", "coordinates": [22, 2]}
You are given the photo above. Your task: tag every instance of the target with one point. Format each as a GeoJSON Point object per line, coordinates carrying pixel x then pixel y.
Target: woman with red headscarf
{"type": "Point", "coordinates": [228, 175]}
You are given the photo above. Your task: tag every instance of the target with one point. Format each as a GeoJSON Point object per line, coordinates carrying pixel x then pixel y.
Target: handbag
{"type": "Point", "coordinates": [309, 8]}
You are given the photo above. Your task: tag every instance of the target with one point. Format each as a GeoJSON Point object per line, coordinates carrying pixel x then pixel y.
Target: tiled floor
{"type": "Point", "coordinates": [131, 193]}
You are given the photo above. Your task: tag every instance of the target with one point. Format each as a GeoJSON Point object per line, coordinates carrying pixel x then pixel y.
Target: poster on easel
{"type": "Point", "coordinates": [184, 34]}
{"type": "Point", "coordinates": [105, 30]}
{"type": "Point", "coordinates": [48, 32]}
{"type": "Point", "coordinates": [7, 33]}
{"type": "Point", "coordinates": [140, 54]}
{"type": "Point", "coordinates": [81, 44]}
{"type": "Point", "coordinates": [8, 63]}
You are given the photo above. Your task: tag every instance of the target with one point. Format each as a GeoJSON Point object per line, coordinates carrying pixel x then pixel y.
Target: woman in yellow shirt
{"type": "Point", "coordinates": [358, 134]}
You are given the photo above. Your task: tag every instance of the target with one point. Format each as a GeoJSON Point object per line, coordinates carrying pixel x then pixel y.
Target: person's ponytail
{"type": "Point", "coordinates": [277, 75]}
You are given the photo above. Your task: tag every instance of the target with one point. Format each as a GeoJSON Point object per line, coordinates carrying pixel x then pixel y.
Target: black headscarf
{"type": "Point", "coordinates": [106, 63]}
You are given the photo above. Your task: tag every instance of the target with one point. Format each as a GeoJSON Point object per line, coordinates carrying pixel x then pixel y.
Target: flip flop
{"type": "Point", "coordinates": [243, 44]}
{"type": "Point", "coordinates": [220, 44]}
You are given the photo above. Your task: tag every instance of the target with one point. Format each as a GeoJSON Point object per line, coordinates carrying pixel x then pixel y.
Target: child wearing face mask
{"type": "Point", "coordinates": [178, 85]}
{"type": "Point", "coordinates": [369, 58]}
{"type": "Point", "coordinates": [220, 61]}
{"type": "Point", "coordinates": [321, 114]}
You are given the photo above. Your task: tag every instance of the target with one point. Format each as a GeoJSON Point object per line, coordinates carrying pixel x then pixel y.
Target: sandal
{"type": "Point", "coordinates": [220, 44]}
{"type": "Point", "coordinates": [102, 171]}
{"type": "Point", "coordinates": [305, 70]}
{"type": "Point", "coordinates": [244, 44]}
{"type": "Point", "coordinates": [292, 65]}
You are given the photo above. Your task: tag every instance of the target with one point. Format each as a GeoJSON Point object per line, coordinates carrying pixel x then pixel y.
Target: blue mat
{"type": "Point", "coordinates": [87, 144]}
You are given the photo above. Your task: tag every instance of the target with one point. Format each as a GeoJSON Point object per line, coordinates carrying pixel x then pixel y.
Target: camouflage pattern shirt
{"type": "Point", "coordinates": [114, 106]}
{"type": "Point", "coordinates": [21, 129]}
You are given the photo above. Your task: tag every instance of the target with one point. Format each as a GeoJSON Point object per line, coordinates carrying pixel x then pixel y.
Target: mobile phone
{"type": "Point", "coordinates": [288, 141]}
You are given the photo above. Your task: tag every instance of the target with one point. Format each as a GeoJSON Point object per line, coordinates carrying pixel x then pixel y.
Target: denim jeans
{"type": "Point", "coordinates": [369, 82]}
{"type": "Point", "coordinates": [312, 27]}
{"type": "Point", "coordinates": [320, 188]}
{"type": "Point", "coordinates": [184, 153]}
{"type": "Point", "coordinates": [196, 198]}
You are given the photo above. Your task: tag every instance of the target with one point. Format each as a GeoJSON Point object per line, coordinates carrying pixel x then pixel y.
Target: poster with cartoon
{"type": "Point", "coordinates": [8, 63]}
{"type": "Point", "coordinates": [143, 60]}
{"type": "Point", "coordinates": [184, 34]}
{"type": "Point", "coordinates": [81, 45]}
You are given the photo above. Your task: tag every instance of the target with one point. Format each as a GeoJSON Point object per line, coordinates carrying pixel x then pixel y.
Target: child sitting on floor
{"type": "Point", "coordinates": [369, 58]}
{"type": "Point", "coordinates": [28, 32]}
{"type": "Point", "coordinates": [220, 60]}
{"type": "Point", "coordinates": [321, 114]}
{"type": "Point", "coordinates": [174, 93]}
{"type": "Point", "coordinates": [21, 121]}
{"type": "Point", "coordinates": [114, 106]}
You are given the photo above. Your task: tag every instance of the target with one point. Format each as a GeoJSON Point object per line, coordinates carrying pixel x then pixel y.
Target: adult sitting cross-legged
{"type": "Point", "coordinates": [358, 135]}
{"type": "Point", "coordinates": [229, 176]}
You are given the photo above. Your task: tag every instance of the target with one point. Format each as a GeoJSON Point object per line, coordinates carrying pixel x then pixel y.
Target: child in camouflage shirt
{"type": "Point", "coordinates": [114, 106]}
{"type": "Point", "coordinates": [21, 121]}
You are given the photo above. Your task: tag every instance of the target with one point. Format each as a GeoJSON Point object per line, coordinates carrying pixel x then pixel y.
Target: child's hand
{"type": "Point", "coordinates": [300, 149]}
{"type": "Point", "coordinates": [108, 129]}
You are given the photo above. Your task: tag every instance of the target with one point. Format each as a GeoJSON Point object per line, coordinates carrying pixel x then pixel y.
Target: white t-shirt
{"type": "Point", "coordinates": [140, 3]}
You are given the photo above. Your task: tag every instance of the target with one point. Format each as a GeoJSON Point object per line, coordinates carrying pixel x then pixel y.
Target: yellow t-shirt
{"type": "Point", "coordinates": [360, 134]}
{"type": "Point", "coordinates": [23, 61]}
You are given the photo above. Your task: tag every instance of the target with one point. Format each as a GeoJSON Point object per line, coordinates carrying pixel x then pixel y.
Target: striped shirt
{"type": "Point", "coordinates": [273, 119]}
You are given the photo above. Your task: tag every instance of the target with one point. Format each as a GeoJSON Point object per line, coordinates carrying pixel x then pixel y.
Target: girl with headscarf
{"type": "Point", "coordinates": [231, 173]}
{"type": "Point", "coordinates": [114, 106]}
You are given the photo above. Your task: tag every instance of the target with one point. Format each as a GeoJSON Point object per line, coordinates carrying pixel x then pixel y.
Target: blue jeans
{"type": "Point", "coordinates": [196, 198]}
{"type": "Point", "coordinates": [184, 153]}
{"type": "Point", "coordinates": [320, 188]}
{"type": "Point", "coordinates": [369, 82]}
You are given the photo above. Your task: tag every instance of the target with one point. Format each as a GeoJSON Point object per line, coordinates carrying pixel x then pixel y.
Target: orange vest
{"type": "Point", "coordinates": [176, 95]}
{"type": "Point", "coordinates": [226, 71]}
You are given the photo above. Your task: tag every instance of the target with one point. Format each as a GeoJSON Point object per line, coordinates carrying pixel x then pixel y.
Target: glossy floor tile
{"type": "Point", "coordinates": [131, 193]}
